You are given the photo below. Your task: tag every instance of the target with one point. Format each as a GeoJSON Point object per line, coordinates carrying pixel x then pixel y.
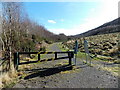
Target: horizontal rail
{"type": "Point", "coordinates": [17, 57]}
{"type": "Point", "coordinates": [42, 60]}
{"type": "Point", "coordinates": [27, 62]}
{"type": "Point", "coordinates": [43, 52]}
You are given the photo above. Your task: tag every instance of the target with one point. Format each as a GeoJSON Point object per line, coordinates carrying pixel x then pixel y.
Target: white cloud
{"type": "Point", "coordinates": [51, 21]}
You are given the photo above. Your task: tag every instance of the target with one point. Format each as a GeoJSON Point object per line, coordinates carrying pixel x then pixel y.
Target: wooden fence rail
{"type": "Point", "coordinates": [17, 57]}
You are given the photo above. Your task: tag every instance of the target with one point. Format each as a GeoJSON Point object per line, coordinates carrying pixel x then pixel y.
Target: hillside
{"type": "Point", "coordinates": [105, 45]}
{"type": "Point", "coordinates": [110, 27]}
{"type": "Point", "coordinates": [42, 32]}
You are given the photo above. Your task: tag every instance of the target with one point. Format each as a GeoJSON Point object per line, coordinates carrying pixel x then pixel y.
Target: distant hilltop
{"type": "Point", "coordinates": [110, 27]}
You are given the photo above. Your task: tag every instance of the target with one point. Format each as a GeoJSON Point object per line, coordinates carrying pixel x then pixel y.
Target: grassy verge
{"type": "Point", "coordinates": [81, 55]}
{"type": "Point", "coordinates": [9, 79]}
{"type": "Point", "coordinates": [114, 70]}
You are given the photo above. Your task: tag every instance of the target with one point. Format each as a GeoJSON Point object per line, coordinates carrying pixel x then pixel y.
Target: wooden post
{"type": "Point", "coordinates": [16, 60]}
{"type": "Point", "coordinates": [38, 57]}
{"type": "Point", "coordinates": [55, 55]}
{"type": "Point", "coordinates": [69, 55]}
{"type": "Point", "coordinates": [72, 54]}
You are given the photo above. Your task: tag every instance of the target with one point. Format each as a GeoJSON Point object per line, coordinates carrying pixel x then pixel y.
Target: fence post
{"type": "Point", "coordinates": [55, 55]}
{"type": "Point", "coordinates": [69, 55]}
{"type": "Point", "coordinates": [38, 57]}
{"type": "Point", "coordinates": [16, 60]}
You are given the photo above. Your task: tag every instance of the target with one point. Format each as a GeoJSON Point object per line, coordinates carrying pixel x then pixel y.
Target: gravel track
{"type": "Point", "coordinates": [48, 75]}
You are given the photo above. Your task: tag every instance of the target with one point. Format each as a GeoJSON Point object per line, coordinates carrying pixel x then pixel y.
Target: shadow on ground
{"type": "Point", "coordinates": [47, 71]}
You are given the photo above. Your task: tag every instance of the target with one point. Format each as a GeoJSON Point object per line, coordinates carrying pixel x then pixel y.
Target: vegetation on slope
{"type": "Point", "coordinates": [105, 45]}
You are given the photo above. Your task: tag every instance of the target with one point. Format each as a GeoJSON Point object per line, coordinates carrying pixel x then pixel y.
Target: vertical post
{"type": "Point", "coordinates": [86, 57]}
{"type": "Point", "coordinates": [72, 54]}
{"type": "Point", "coordinates": [16, 60]}
{"type": "Point", "coordinates": [76, 47]}
{"type": "Point", "coordinates": [89, 59]}
{"type": "Point", "coordinates": [75, 51]}
{"type": "Point", "coordinates": [75, 58]}
{"type": "Point", "coordinates": [55, 55]}
{"type": "Point", "coordinates": [69, 55]}
{"type": "Point", "coordinates": [38, 57]}
{"type": "Point", "coordinates": [86, 49]}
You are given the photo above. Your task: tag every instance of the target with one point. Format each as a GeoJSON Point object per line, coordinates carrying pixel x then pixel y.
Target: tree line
{"type": "Point", "coordinates": [19, 32]}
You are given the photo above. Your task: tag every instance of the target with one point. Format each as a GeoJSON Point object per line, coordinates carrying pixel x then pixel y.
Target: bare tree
{"type": "Point", "coordinates": [11, 28]}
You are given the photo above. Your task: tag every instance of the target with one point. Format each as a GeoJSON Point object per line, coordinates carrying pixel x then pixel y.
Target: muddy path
{"type": "Point", "coordinates": [57, 74]}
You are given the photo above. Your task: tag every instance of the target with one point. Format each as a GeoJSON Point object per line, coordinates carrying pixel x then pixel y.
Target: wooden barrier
{"type": "Point", "coordinates": [17, 58]}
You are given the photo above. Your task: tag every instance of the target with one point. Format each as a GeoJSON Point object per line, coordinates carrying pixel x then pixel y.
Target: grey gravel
{"type": "Point", "coordinates": [85, 77]}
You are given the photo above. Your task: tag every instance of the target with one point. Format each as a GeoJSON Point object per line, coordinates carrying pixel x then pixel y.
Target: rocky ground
{"type": "Point", "coordinates": [57, 74]}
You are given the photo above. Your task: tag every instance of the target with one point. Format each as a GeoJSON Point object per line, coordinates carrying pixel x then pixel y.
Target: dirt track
{"type": "Point", "coordinates": [53, 74]}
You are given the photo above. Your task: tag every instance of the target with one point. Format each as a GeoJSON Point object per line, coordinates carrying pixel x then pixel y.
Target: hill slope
{"type": "Point", "coordinates": [110, 27]}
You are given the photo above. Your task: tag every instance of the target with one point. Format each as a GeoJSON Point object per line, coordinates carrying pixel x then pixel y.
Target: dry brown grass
{"type": "Point", "coordinates": [25, 66]}
{"type": "Point", "coordinates": [11, 76]}
{"type": "Point", "coordinates": [8, 77]}
{"type": "Point", "coordinates": [106, 44]}
{"type": "Point", "coordinates": [1, 85]}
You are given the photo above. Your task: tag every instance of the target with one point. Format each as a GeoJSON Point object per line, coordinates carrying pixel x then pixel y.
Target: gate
{"type": "Point", "coordinates": [17, 57]}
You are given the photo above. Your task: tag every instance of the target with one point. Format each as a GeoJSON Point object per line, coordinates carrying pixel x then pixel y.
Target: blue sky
{"type": "Point", "coordinates": [71, 18]}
